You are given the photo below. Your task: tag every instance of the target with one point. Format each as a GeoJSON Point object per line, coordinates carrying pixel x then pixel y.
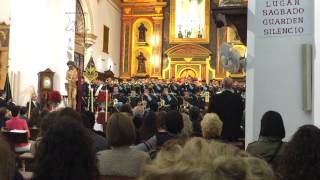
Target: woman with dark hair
{"type": "Point", "coordinates": [149, 126]}
{"type": "Point", "coordinates": [126, 108]}
{"type": "Point", "coordinates": [301, 157]}
{"type": "Point", "coordinates": [269, 145]}
{"type": "Point", "coordinates": [195, 117]}
{"type": "Point", "coordinates": [46, 122]}
{"type": "Point", "coordinates": [65, 152]}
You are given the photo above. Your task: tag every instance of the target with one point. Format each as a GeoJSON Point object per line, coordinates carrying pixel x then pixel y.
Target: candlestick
{"type": "Point", "coordinates": [106, 105]}
{"type": "Point", "coordinates": [91, 99]}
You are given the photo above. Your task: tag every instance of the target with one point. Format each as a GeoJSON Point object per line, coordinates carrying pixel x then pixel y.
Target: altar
{"type": "Point", "coordinates": [179, 39]}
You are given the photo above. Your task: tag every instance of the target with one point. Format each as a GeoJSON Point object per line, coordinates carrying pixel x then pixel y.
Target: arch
{"type": "Point", "coordinates": [86, 7]}
{"type": "Point", "coordinates": [187, 70]}
{"type": "Point", "coordinates": [188, 51]}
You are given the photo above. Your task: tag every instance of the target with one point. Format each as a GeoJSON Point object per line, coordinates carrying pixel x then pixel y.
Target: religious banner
{"type": "Point", "coordinates": [277, 18]}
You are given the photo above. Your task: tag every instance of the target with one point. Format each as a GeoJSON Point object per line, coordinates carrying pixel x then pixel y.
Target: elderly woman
{"type": "Point", "coordinates": [121, 160]}
{"type": "Point", "coordinates": [211, 126]}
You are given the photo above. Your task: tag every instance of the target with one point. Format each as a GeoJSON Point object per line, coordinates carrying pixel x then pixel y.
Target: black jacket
{"type": "Point", "coordinates": [229, 107]}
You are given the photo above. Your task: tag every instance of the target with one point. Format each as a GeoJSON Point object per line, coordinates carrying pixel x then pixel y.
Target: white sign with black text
{"type": "Point", "coordinates": [285, 17]}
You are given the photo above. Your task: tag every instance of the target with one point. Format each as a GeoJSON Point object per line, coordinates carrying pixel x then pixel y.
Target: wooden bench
{"type": "Point", "coordinates": [14, 138]}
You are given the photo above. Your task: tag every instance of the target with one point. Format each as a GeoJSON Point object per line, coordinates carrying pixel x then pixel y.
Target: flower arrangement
{"type": "Point", "coordinates": [54, 97]}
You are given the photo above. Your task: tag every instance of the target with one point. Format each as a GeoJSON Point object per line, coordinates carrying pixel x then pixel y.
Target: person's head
{"type": "Point", "coordinates": [211, 126]}
{"type": "Point", "coordinates": [165, 91]}
{"type": "Point", "coordinates": [227, 83]}
{"type": "Point", "coordinates": [23, 111]}
{"type": "Point", "coordinates": [7, 161]}
{"type": "Point", "coordinates": [149, 125]}
{"type": "Point", "coordinates": [69, 112]}
{"type": "Point", "coordinates": [15, 111]}
{"type": "Point", "coordinates": [259, 169]}
{"type": "Point", "coordinates": [88, 119]}
{"type": "Point", "coordinates": [65, 152]}
{"type": "Point", "coordinates": [34, 97]}
{"type": "Point", "coordinates": [115, 90]}
{"type": "Point", "coordinates": [187, 126]}
{"type": "Point", "coordinates": [272, 125]}
{"type": "Point", "coordinates": [47, 121]}
{"type": "Point", "coordinates": [174, 122]}
{"type": "Point", "coordinates": [120, 130]}
{"type": "Point", "coordinates": [126, 108]}
{"type": "Point", "coordinates": [133, 92]}
{"type": "Point", "coordinates": [138, 111]}
{"type": "Point", "coordinates": [301, 156]}
{"type": "Point", "coordinates": [194, 113]}
{"type": "Point", "coordinates": [161, 124]}
{"type": "Point", "coordinates": [196, 159]}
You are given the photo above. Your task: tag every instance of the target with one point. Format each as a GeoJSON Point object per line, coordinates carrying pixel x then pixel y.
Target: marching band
{"type": "Point", "coordinates": [153, 94]}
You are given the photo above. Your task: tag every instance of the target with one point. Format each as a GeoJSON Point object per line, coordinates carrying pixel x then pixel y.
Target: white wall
{"type": "Point", "coordinates": [38, 40]}
{"type": "Point", "coordinates": [316, 76]}
{"type": "Point", "coordinates": [108, 14]}
{"type": "Point", "coordinates": [274, 77]}
{"type": "Point", "coordinates": [5, 11]}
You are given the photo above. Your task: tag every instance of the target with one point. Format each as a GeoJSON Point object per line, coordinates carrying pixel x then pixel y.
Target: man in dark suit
{"type": "Point", "coordinates": [229, 106]}
{"type": "Point", "coordinates": [34, 102]}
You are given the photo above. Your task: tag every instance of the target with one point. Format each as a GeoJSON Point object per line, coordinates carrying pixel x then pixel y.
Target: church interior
{"type": "Point", "coordinates": [152, 88]}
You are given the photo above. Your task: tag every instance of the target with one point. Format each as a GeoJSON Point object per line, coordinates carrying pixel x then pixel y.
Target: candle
{"type": "Point", "coordinates": [91, 99]}
{"type": "Point", "coordinates": [106, 105]}
{"type": "Point", "coordinates": [29, 108]}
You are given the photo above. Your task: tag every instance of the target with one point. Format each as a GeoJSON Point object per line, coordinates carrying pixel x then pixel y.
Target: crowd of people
{"type": "Point", "coordinates": [163, 143]}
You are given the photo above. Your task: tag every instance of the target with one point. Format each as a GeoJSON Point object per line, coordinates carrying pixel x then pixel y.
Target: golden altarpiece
{"type": "Point", "coordinates": [4, 52]}
{"type": "Point", "coordinates": [187, 46]}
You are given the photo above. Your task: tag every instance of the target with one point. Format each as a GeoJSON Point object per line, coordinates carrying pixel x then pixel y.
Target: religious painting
{"type": "Point", "coordinates": [189, 21]}
{"type": "Point", "coordinates": [105, 39]}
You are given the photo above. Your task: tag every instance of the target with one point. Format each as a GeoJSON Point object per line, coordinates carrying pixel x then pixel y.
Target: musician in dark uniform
{"type": "Point", "coordinates": [134, 98]}
{"type": "Point", "coordinates": [199, 98]}
{"type": "Point", "coordinates": [151, 100]}
{"type": "Point", "coordinates": [170, 102]}
{"type": "Point", "coordinates": [85, 94]}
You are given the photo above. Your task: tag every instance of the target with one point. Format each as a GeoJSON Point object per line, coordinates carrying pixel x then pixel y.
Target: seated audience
{"type": "Point", "coordinates": [65, 152]}
{"type": "Point", "coordinates": [301, 156]}
{"type": "Point", "coordinates": [15, 123]}
{"type": "Point", "coordinates": [269, 145]}
{"type": "Point", "coordinates": [211, 126]}
{"type": "Point", "coordinates": [99, 141]}
{"type": "Point", "coordinates": [121, 160]}
{"type": "Point", "coordinates": [173, 126]}
{"type": "Point", "coordinates": [8, 169]}
{"type": "Point", "coordinates": [199, 159]}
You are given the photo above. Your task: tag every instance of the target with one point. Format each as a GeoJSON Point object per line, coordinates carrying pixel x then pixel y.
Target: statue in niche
{"type": "Point", "coordinates": [142, 33]}
{"type": "Point", "coordinates": [141, 63]}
